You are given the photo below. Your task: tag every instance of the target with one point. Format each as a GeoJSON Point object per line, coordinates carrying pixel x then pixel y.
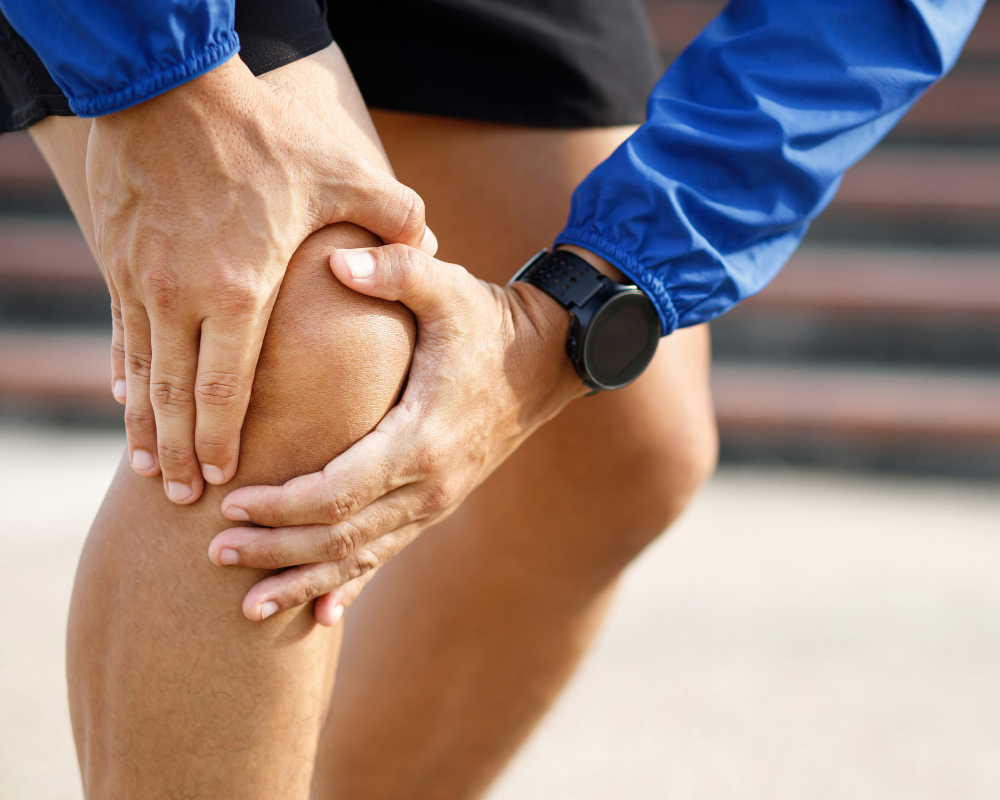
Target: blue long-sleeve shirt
{"type": "Point", "coordinates": [747, 137]}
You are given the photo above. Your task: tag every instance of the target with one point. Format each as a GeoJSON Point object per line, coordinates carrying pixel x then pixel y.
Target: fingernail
{"type": "Point", "coordinates": [177, 491]}
{"type": "Point", "coordinates": [236, 514]}
{"type": "Point", "coordinates": [361, 263]}
{"type": "Point", "coordinates": [119, 390]}
{"type": "Point", "coordinates": [142, 459]}
{"type": "Point", "coordinates": [429, 244]}
{"type": "Point", "coordinates": [228, 557]}
{"type": "Point", "coordinates": [337, 613]}
{"type": "Point", "coordinates": [267, 609]}
{"type": "Point", "coordinates": [212, 474]}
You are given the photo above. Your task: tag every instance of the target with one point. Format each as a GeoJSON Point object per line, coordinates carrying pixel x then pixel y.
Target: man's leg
{"type": "Point", "coordinates": [173, 692]}
{"type": "Point", "coordinates": [463, 641]}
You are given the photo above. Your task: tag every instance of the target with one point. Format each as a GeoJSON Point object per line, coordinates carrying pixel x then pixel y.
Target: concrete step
{"type": "Point", "coordinates": [48, 253]}
{"type": "Point", "coordinates": [56, 371]}
{"type": "Point", "coordinates": [677, 22]}
{"type": "Point", "coordinates": [886, 283]}
{"type": "Point", "coordinates": [875, 405]}
{"type": "Point", "coordinates": [22, 168]}
{"type": "Point", "coordinates": [52, 371]}
{"type": "Point", "coordinates": [899, 181]}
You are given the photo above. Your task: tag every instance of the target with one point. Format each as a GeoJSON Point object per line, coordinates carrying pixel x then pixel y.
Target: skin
{"type": "Point", "coordinates": [173, 693]}
{"type": "Point", "coordinates": [199, 197]}
{"type": "Point", "coordinates": [467, 636]}
{"type": "Point", "coordinates": [462, 642]}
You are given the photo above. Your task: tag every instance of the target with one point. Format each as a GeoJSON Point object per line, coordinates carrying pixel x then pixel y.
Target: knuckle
{"type": "Point", "coordinates": [272, 557]}
{"type": "Point", "coordinates": [116, 314]}
{"type": "Point", "coordinates": [409, 263]}
{"type": "Point", "coordinates": [339, 506]}
{"type": "Point", "coordinates": [341, 541]}
{"type": "Point", "coordinates": [440, 496]}
{"type": "Point", "coordinates": [137, 420]}
{"type": "Point", "coordinates": [361, 563]}
{"type": "Point", "coordinates": [305, 588]}
{"type": "Point", "coordinates": [428, 461]}
{"type": "Point", "coordinates": [171, 456]}
{"type": "Point", "coordinates": [214, 448]}
{"type": "Point", "coordinates": [139, 364]}
{"type": "Point", "coordinates": [219, 388]}
{"type": "Point", "coordinates": [410, 213]}
{"type": "Point", "coordinates": [234, 297]}
{"type": "Point", "coordinates": [170, 394]}
{"type": "Point", "coordinates": [161, 289]}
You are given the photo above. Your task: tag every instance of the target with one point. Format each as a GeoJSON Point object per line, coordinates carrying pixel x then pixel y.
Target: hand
{"type": "Point", "coordinates": [488, 368]}
{"type": "Point", "coordinates": [200, 196]}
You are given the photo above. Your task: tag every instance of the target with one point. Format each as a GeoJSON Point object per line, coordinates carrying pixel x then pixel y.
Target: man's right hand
{"type": "Point", "coordinates": [200, 196]}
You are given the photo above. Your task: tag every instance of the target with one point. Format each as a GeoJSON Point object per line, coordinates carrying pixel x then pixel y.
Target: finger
{"type": "Point", "coordinates": [140, 424]}
{"type": "Point", "coordinates": [293, 587]}
{"type": "Point", "coordinates": [118, 382]}
{"type": "Point", "coordinates": [373, 199]}
{"type": "Point", "coordinates": [227, 359]}
{"type": "Point", "coordinates": [329, 608]}
{"type": "Point", "coordinates": [278, 548]}
{"type": "Point", "coordinates": [429, 244]}
{"type": "Point", "coordinates": [426, 286]}
{"type": "Point", "coordinates": [171, 391]}
{"type": "Point", "coordinates": [364, 472]}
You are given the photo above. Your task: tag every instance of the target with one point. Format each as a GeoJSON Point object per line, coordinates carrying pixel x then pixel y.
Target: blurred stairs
{"type": "Point", "coordinates": [877, 346]}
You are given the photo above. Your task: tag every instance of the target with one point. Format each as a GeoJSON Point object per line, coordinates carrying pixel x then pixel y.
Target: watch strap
{"type": "Point", "coordinates": [566, 277]}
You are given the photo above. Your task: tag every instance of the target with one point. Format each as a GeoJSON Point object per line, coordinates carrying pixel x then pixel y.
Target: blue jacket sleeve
{"type": "Point", "coordinates": [107, 55]}
{"type": "Point", "coordinates": [747, 137]}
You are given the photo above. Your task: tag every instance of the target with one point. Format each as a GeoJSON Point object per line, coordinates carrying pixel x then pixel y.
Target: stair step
{"type": "Point", "coordinates": [53, 370]}
{"type": "Point", "coordinates": [878, 405]}
{"type": "Point", "coordinates": [49, 252]}
{"type": "Point", "coordinates": [56, 371]}
{"type": "Point", "coordinates": [677, 22]}
{"type": "Point", "coordinates": [22, 168]}
{"type": "Point", "coordinates": [886, 283]}
{"type": "Point", "coordinates": [961, 107]}
{"type": "Point", "coordinates": [908, 181]}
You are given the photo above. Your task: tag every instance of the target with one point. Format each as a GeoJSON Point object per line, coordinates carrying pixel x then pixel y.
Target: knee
{"type": "Point", "coordinates": [667, 441]}
{"type": "Point", "coordinates": [333, 363]}
{"type": "Point", "coordinates": [663, 473]}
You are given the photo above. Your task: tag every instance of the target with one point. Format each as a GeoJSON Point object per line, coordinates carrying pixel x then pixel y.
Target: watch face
{"type": "Point", "coordinates": [621, 340]}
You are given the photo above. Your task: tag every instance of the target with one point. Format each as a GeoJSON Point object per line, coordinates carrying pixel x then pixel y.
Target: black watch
{"type": "Point", "coordinates": [615, 328]}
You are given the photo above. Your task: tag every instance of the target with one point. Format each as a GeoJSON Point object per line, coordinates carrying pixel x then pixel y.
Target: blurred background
{"type": "Point", "coordinates": [826, 619]}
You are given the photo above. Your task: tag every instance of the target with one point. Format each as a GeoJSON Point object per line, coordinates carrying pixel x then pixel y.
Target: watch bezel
{"type": "Point", "coordinates": [599, 296]}
{"type": "Point", "coordinates": [587, 328]}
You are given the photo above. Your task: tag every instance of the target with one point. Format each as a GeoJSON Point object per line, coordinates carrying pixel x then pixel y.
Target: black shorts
{"type": "Point", "coordinates": [547, 63]}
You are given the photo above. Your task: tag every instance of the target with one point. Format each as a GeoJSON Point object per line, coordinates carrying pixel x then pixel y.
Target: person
{"type": "Point", "coordinates": [212, 196]}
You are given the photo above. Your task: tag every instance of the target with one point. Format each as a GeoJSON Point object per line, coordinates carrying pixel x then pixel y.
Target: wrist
{"type": "Point", "coordinates": [211, 91]}
{"type": "Point", "coordinates": [599, 263]}
{"type": "Point", "coordinates": [540, 317]}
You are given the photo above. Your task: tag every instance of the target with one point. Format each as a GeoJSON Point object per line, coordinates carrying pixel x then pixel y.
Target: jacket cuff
{"type": "Point", "coordinates": [651, 284]}
{"type": "Point", "coordinates": [159, 82]}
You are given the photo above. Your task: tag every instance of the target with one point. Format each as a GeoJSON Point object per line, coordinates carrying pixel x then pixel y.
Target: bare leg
{"type": "Point", "coordinates": [173, 692]}
{"type": "Point", "coordinates": [453, 654]}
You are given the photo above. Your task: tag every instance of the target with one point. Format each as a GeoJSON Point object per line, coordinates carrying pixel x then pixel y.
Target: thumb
{"type": "Point", "coordinates": [423, 284]}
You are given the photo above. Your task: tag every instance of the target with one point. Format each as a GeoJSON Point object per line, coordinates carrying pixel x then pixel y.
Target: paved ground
{"type": "Point", "coordinates": [799, 635]}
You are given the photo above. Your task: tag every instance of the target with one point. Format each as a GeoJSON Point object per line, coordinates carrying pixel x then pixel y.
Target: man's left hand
{"type": "Point", "coordinates": [489, 367]}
